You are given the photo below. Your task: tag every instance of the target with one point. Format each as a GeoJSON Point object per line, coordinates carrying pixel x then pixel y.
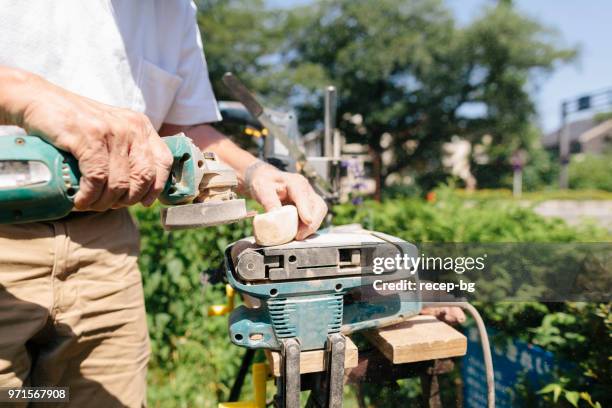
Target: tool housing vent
{"type": "Point", "coordinates": [309, 318]}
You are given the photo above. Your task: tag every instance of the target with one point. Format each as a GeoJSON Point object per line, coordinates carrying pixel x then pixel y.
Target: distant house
{"type": "Point", "coordinates": [585, 136]}
{"type": "Point", "coordinates": [598, 139]}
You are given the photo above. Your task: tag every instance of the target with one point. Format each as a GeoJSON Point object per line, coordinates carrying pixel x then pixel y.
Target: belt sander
{"type": "Point", "coordinates": [312, 288]}
{"type": "Point", "coordinates": [306, 295]}
{"type": "Point", "coordinates": [316, 287]}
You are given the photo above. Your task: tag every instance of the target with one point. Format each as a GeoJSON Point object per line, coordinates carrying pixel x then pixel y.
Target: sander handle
{"type": "Point", "coordinates": [38, 181]}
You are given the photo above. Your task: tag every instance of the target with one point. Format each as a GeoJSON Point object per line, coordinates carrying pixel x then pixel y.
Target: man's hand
{"type": "Point", "coordinates": [121, 157]}
{"type": "Point", "coordinates": [450, 315]}
{"type": "Point", "coordinates": [266, 184]}
{"type": "Point", "coordinates": [273, 188]}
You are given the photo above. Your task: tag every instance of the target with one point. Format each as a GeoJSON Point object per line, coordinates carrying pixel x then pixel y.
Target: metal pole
{"type": "Point", "coordinates": [247, 359]}
{"type": "Point", "coordinates": [564, 148]}
{"type": "Point", "coordinates": [517, 183]}
{"type": "Point", "coordinates": [330, 120]}
{"type": "Point", "coordinates": [331, 141]}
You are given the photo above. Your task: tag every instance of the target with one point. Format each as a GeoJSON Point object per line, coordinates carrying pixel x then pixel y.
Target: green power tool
{"type": "Point", "coordinates": [38, 182]}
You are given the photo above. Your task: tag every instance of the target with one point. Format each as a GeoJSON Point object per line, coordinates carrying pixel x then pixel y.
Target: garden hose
{"type": "Point", "coordinates": [484, 340]}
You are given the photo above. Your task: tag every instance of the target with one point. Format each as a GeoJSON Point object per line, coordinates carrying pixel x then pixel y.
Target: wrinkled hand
{"type": "Point", "coordinates": [272, 188]}
{"type": "Point", "coordinates": [121, 157]}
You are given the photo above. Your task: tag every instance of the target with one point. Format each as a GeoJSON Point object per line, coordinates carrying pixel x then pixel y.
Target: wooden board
{"type": "Point", "coordinates": [312, 361]}
{"type": "Point", "coordinates": [419, 338]}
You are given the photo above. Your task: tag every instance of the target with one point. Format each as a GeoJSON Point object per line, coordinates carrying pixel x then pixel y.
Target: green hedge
{"type": "Point", "coordinates": [193, 362]}
{"type": "Point", "coordinates": [590, 171]}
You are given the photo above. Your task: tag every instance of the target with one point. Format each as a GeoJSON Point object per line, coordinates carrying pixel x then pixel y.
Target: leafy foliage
{"type": "Point", "coordinates": [238, 36]}
{"type": "Point", "coordinates": [591, 171]}
{"type": "Point", "coordinates": [602, 116]}
{"type": "Point", "coordinates": [414, 220]}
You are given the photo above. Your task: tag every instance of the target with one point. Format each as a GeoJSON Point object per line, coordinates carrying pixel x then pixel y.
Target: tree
{"type": "Point", "coordinates": [239, 36]}
{"type": "Point", "coordinates": [405, 70]}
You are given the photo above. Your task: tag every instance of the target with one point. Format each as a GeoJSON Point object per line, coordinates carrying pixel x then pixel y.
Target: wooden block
{"type": "Point", "coordinates": [312, 361]}
{"type": "Point", "coordinates": [419, 338]}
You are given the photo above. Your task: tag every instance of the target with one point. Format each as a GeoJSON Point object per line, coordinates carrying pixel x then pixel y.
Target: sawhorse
{"type": "Point", "coordinates": [421, 346]}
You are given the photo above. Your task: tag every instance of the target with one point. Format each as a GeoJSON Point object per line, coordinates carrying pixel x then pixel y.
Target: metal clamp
{"type": "Point", "coordinates": [328, 386]}
{"type": "Point", "coordinates": [289, 382]}
{"type": "Point", "coordinates": [336, 345]}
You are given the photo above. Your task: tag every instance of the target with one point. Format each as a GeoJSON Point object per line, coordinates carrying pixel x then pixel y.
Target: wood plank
{"type": "Point", "coordinates": [419, 338]}
{"type": "Point", "coordinates": [312, 361]}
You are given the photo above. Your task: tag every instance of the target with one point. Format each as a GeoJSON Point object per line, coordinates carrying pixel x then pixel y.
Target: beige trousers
{"type": "Point", "coordinates": [72, 309]}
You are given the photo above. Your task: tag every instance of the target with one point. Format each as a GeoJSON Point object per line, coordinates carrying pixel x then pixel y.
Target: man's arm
{"type": "Point", "coordinates": [194, 102]}
{"type": "Point", "coordinates": [122, 159]}
{"type": "Point", "coordinates": [12, 88]}
{"type": "Point", "coordinates": [266, 184]}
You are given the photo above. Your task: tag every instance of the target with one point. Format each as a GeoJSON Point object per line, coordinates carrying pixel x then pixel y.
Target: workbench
{"type": "Point", "coordinates": [421, 346]}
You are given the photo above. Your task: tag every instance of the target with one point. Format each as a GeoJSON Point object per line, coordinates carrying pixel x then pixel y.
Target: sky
{"type": "Point", "coordinates": [583, 23]}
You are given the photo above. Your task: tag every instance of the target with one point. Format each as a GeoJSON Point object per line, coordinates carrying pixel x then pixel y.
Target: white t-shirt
{"type": "Point", "coordinates": [143, 55]}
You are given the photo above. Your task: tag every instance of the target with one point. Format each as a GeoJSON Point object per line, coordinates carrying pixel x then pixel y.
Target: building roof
{"type": "Point", "coordinates": [601, 129]}
{"type": "Point", "coordinates": [576, 128]}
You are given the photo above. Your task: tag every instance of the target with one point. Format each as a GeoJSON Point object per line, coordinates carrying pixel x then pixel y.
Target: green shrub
{"type": "Point", "coordinates": [591, 171]}
{"type": "Point", "coordinates": [449, 219]}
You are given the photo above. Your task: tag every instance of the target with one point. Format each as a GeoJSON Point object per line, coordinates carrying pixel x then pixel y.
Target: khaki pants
{"type": "Point", "coordinates": [72, 309]}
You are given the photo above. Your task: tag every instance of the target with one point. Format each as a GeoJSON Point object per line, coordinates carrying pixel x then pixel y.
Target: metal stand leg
{"type": "Point", "coordinates": [328, 386]}
{"type": "Point", "coordinates": [336, 344]}
{"type": "Point", "coordinates": [247, 359]}
{"type": "Point", "coordinates": [431, 387]}
{"type": "Point", "coordinates": [289, 381]}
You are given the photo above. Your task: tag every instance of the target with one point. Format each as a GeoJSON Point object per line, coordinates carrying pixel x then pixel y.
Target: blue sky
{"type": "Point", "coordinates": [587, 24]}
